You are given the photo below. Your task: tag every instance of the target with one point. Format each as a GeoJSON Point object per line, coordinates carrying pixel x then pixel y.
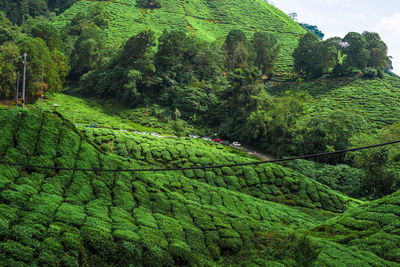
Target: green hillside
{"type": "Point", "coordinates": [376, 100]}
{"type": "Point", "coordinates": [73, 218]}
{"type": "Point", "coordinates": [207, 20]}
{"type": "Point", "coordinates": [102, 200]}
{"type": "Point", "coordinates": [373, 226]}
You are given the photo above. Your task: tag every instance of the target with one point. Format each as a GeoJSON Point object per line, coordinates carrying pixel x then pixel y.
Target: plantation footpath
{"type": "Point", "coordinates": [204, 218]}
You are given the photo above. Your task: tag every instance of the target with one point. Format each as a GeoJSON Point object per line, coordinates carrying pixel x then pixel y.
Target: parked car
{"type": "Point", "coordinates": [225, 143]}
{"type": "Point", "coordinates": [206, 138]}
{"type": "Point", "coordinates": [217, 140]}
{"type": "Point", "coordinates": [237, 144]}
{"type": "Point", "coordinates": [193, 135]}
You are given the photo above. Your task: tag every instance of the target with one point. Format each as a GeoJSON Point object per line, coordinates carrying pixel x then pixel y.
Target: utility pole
{"type": "Point", "coordinates": [16, 96]}
{"type": "Point", "coordinates": [41, 93]}
{"type": "Point", "coordinates": [23, 82]}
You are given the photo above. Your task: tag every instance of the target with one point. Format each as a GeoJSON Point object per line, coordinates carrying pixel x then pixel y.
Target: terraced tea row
{"type": "Point", "coordinates": [374, 226]}
{"type": "Point", "coordinates": [71, 218]}
{"type": "Point", "coordinates": [375, 100]}
{"type": "Point", "coordinates": [268, 181]}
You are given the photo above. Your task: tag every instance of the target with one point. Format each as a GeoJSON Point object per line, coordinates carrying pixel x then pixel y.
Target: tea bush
{"type": "Point", "coordinates": [212, 217]}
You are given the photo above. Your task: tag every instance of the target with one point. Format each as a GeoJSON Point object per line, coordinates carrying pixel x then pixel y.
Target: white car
{"type": "Point", "coordinates": [193, 136]}
{"type": "Point", "coordinates": [236, 144]}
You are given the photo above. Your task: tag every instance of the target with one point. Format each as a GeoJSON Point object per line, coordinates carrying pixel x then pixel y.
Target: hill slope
{"type": "Point", "coordinates": [208, 20]}
{"type": "Point", "coordinates": [376, 100]}
{"type": "Point", "coordinates": [99, 218]}
{"type": "Point", "coordinates": [374, 226]}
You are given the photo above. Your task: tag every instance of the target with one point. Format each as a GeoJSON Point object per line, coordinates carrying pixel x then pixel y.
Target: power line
{"type": "Point", "coordinates": [203, 167]}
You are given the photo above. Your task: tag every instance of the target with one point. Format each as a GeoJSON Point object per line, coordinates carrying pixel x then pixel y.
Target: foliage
{"type": "Point", "coordinates": [236, 46]}
{"type": "Point", "coordinates": [8, 70]}
{"type": "Point", "coordinates": [201, 19]}
{"type": "Point", "coordinates": [48, 33]}
{"type": "Point", "coordinates": [348, 180]}
{"type": "Point", "coordinates": [315, 57]}
{"type": "Point", "coordinates": [313, 29]}
{"type": "Point", "coordinates": [373, 226]}
{"type": "Point", "coordinates": [355, 52]}
{"type": "Point", "coordinates": [87, 52]}
{"type": "Point", "coordinates": [152, 218]}
{"type": "Point", "coordinates": [19, 11]}
{"type": "Point", "coordinates": [378, 50]}
{"type": "Point", "coordinates": [267, 49]}
{"type": "Point", "coordinates": [355, 48]}
{"type": "Point", "coordinates": [39, 56]}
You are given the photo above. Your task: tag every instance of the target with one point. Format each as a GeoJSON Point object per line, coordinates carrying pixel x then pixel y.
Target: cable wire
{"type": "Point", "coordinates": [203, 167]}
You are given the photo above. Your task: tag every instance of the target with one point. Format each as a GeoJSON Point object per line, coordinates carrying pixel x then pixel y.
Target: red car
{"type": "Point", "coordinates": [218, 140]}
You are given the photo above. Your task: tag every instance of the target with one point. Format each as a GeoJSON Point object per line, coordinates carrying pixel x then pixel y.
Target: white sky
{"type": "Point", "coordinates": [338, 17]}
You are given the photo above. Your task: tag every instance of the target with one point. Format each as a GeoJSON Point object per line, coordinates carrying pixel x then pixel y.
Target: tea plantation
{"type": "Point", "coordinates": [252, 215]}
{"type": "Point", "coordinates": [208, 20]}
{"type": "Point", "coordinates": [375, 100]}
{"type": "Point", "coordinates": [85, 112]}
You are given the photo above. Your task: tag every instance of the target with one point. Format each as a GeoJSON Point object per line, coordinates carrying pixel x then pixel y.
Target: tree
{"type": "Point", "coordinates": [273, 123]}
{"type": "Point", "coordinates": [137, 52]}
{"type": "Point", "coordinates": [239, 100]}
{"type": "Point", "coordinates": [8, 70]}
{"type": "Point", "coordinates": [304, 52]}
{"type": "Point", "coordinates": [356, 51]}
{"type": "Point", "coordinates": [48, 33]}
{"type": "Point", "coordinates": [8, 31]}
{"type": "Point", "coordinates": [323, 58]}
{"type": "Point", "coordinates": [336, 45]}
{"type": "Point", "coordinates": [39, 55]}
{"type": "Point", "coordinates": [267, 49]}
{"type": "Point", "coordinates": [332, 130]}
{"type": "Point", "coordinates": [237, 50]}
{"type": "Point", "coordinates": [377, 49]}
{"type": "Point", "coordinates": [313, 29]}
{"type": "Point", "coordinates": [181, 59]}
{"type": "Point", "coordinates": [87, 52]}
{"type": "Point", "coordinates": [175, 50]}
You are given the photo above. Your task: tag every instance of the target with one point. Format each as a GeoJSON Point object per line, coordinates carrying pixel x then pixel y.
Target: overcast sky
{"type": "Point", "coordinates": [338, 17]}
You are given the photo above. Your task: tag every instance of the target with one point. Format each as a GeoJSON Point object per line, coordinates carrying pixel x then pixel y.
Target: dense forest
{"type": "Point", "coordinates": [304, 96]}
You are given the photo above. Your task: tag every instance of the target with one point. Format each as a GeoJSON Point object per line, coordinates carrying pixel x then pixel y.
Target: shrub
{"type": "Point", "coordinates": [70, 214]}
{"type": "Point", "coordinates": [99, 242]}
{"type": "Point", "coordinates": [370, 72]}
{"type": "Point", "coordinates": [51, 252]}
{"type": "Point", "coordinates": [17, 251]}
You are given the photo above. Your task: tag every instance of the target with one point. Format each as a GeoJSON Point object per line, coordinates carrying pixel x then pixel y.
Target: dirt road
{"type": "Point", "coordinates": [254, 153]}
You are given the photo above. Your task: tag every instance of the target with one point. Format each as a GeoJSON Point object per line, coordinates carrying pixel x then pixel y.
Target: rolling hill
{"type": "Point", "coordinates": [207, 20]}
{"type": "Point", "coordinates": [77, 212]}
{"type": "Point", "coordinates": [71, 218]}
{"type": "Point", "coordinates": [375, 100]}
